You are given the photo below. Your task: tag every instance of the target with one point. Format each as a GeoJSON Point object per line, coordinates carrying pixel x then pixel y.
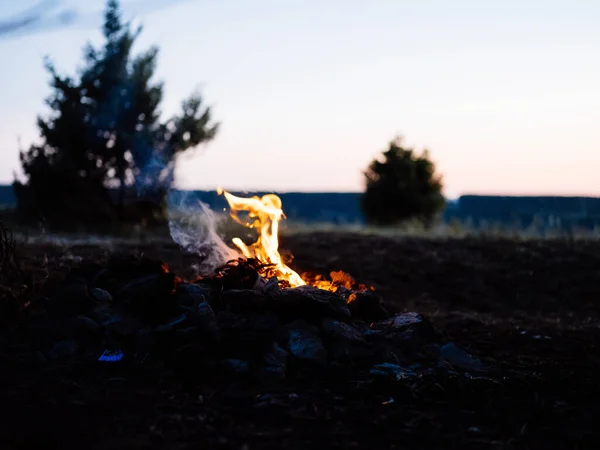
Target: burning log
{"type": "Point", "coordinates": [242, 273]}
{"type": "Point", "coordinates": [302, 302]}
{"type": "Point", "coordinates": [311, 302]}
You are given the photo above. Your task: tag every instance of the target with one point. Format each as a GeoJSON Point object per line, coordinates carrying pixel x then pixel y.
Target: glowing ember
{"type": "Point", "coordinates": [338, 279]}
{"type": "Point", "coordinates": [167, 269]}
{"type": "Point", "coordinates": [265, 213]}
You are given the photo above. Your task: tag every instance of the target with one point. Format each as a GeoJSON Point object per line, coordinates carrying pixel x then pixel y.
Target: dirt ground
{"type": "Point", "coordinates": [530, 309]}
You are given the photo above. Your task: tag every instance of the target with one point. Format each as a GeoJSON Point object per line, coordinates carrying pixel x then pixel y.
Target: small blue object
{"type": "Point", "coordinates": [111, 356]}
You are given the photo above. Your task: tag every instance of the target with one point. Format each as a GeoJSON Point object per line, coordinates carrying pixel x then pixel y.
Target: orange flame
{"type": "Point", "coordinates": [266, 213]}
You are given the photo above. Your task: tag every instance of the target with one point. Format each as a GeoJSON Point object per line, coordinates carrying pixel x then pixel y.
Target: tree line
{"type": "Point", "coordinates": [105, 155]}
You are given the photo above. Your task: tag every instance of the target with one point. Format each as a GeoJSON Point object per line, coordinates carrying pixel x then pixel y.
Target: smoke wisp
{"type": "Point", "coordinates": [194, 227]}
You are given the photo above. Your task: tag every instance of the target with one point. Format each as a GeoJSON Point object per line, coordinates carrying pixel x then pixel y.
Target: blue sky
{"type": "Point", "coordinates": [505, 95]}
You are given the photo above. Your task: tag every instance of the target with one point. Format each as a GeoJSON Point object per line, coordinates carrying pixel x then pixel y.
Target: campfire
{"type": "Point", "coordinates": [265, 213]}
{"type": "Point", "coordinates": [254, 316]}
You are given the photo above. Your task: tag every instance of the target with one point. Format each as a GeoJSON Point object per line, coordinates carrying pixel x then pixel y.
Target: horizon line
{"type": "Point", "coordinates": [329, 191]}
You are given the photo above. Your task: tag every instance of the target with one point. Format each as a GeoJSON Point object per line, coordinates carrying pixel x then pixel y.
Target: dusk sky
{"type": "Point", "coordinates": [504, 94]}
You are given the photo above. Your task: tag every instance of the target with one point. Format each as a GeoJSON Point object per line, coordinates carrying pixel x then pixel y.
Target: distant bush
{"type": "Point", "coordinates": [104, 138]}
{"type": "Point", "coordinates": [402, 186]}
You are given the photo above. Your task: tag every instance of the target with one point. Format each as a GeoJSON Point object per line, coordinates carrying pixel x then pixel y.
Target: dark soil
{"type": "Point", "coordinates": [530, 309]}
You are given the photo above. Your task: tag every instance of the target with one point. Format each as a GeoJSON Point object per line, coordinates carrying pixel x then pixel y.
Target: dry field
{"type": "Point", "coordinates": [530, 308]}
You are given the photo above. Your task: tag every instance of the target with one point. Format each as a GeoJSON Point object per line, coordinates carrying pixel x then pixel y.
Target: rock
{"type": "Point", "coordinates": [303, 342]}
{"type": "Point", "coordinates": [406, 334]}
{"type": "Point", "coordinates": [149, 295]}
{"type": "Point", "coordinates": [99, 275]}
{"type": "Point", "coordinates": [122, 268]}
{"type": "Point", "coordinates": [188, 295]}
{"type": "Point", "coordinates": [310, 302]}
{"type": "Point", "coordinates": [125, 328]}
{"type": "Point", "coordinates": [80, 328]}
{"type": "Point", "coordinates": [344, 341]}
{"type": "Point", "coordinates": [390, 339]}
{"type": "Point", "coordinates": [236, 366]}
{"type": "Point", "coordinates": [203, 317]}
{"type": "Point", "coordinates": [334, 329]}
{"type": "Point", "coordinates": [271, 287]}
{"type": "Point", "coordinates": [173, 324]}
{"type": "Point", "coordinates": [245, 300]}
{"type": "Point", "coordinates": [247, 335]}
{"type": "Point", "coordinates": [264, 286]}
{"type": "Point", "coordinates": [361, 326]}
{"type": "Point", "coordinates": [62, 350]}
{"type": "Point", "coordinates": [191, 289]}
{"type": "Point", "coordinates": [145, 338]}
{"type": "Point", "coordinates": [104, 314]}
{"type": "Point", "coordinates": [346, 352]}
{"type": "Point", "coordinates": [422, 331]}
{"type": "Point", "coordinates": [100, 295]}
{"type": "Point", "coordinates": [273, 365]}
{"type": "Point", "coordinates": [394, 371]}
{"type": "Point", "coordinates": [187, 334]}
{"type": "Point", "coordinates": [251, 324]}
{"type": "Point", "coordinates": [458, 358]}
{"type": "Point", "coordinates": [266, 324]}
{"type": "Point", "coordinates": [84, 324]}
{"type": "Point", "coordinates": [432, 351]}
{"type": "Point", "coordinates": [410, 342]}
{"type": "Point", "coordinates": [192, 359]}
{"type": "Point", "coordinates": [260, 284]}
{"type": "Point", "coordinates": [194, 299]}
{"type": "Point", "coordinates": [367, 306]}
{"type": "Point", "coordinates": [76, 298]}
{"type": "Point", "coordinates": [398, 322]}
{"type": "Point", "coordinates": [539, 337]}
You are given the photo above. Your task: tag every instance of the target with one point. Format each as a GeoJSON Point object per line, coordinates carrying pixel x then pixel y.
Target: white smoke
{"type": "Point", "coordinates": [194, 228]}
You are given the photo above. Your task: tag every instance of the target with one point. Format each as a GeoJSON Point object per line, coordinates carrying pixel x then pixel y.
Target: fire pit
{"type": "Point", "coordinates": [252, 318]}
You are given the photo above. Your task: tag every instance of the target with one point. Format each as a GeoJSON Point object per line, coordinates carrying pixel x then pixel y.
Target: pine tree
{"type": "Point", "coordinates": [105, 132]}
{"type": "Point", "coordinates": [401, 187]}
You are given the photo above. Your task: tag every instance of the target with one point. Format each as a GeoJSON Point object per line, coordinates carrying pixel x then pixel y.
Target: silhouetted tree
{"type": "Point", "coordinates": [104, 131]}
{"type": "Point", "coordinates": [404, 185]}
